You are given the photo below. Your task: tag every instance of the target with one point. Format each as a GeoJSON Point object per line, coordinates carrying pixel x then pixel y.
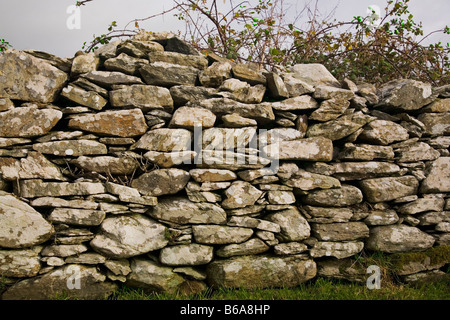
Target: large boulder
{"type": "Point", "coordinates": [20, 225]}
{"type": "Point", "coordinates": [27, 78]}
{"type": "Point", "coordinates": [72, 281]}
{"type": "Point", "coordinates": [260, 272]}
{"type": "Point", "coordinates": [398, 238]}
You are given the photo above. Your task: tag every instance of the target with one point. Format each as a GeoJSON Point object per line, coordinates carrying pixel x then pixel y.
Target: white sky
{"type": "Point", "coordinates": [41, 24]}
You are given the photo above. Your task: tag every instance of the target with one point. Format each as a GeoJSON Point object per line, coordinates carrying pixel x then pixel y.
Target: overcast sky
{"type": "Point", "coordinates": [42, 24]}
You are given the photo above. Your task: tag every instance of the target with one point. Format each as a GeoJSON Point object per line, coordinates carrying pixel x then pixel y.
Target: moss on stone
{"type": "Point", "coordinates": [437, 256]}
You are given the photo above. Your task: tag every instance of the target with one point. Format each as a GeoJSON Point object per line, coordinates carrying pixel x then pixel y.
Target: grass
{"type": "Point", "coordinates": [318, 289]}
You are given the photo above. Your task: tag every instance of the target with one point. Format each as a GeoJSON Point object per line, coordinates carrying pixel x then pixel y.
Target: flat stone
{"type": "Point", "coordinates": [189, 117]}
{"type": "Point", "coordinates": [109, 78]}
{"type": "Point", "coordinates": [25, 77]}
{"type": "Point", "coordinates": [303, 102]}
{"type": "Point", "coordinates": [365, 152]}
{"type": "Point", "coordinates": [347, 195]}
{"type": "Point", "coordinates": [229, 160]}
{"type": "Point", "coordinates": [346, 231]}
{"type": "Point", "coordinates": [168, 75]}
{"type": "Point", "coordinates": [389, 188]}
{"type": "Point", "coordinates": [122, 123]}
{"type": "Point", "coordinates": [296, 87]}
{"type": "Point", "coordinates": [260, 272]}
{"type": "Point", "coordinates": [327, 215]}
{"type": "Point", "coordinates": [305, 180]}
{"type": "Point", "coordinates": [429, 203]}
{"type": "Point", "coordinates": [127, 236]}
{"type": "Point", "coordinates": [345, 269]}
{"type": "Point", "coordinates": [398, 238]}
{"type": "Point", "coordinates": [106, 164]}
{"type": "Point", "coordinates": [437, 106]}
{"type": "Point", "coordinates": [77, 217]}
{"type": "Point", "coordinates": [249, 247]}
{"type": "Point", "coordinates": [62, 203]}
{"type": "Point", "coordinates": [294, 226]}
{"type": "Point", "coordinates": [436, 171]}
{"type": "Point", "coordinates": [240, 194]}
{"type": "Point", "coordinates": [212, 175]}
{"type": "Point", "coordinates": [215, 74]}
{"type": "Point", "coordinates": [436, 124]}
{"type": "Point", "coordinates": [329, 92]}
{"type": "Point", "coordinates": [85, 98]}
{"type": "Point", "coordinates": [153, 277]}
{"type": "Point", "coordinates": [144, 97]}
{"type": "Point", "coordinates": [63, 250]}
{"type": "Point", "coordinates": [86, 258]}
{"type": "Point", "coordinates": [279, 134]}
{"type": "Point", "coordinates": [405, 95]}
{"type": "Point", "coordinates": [383, 132]}
{"type": "Point", "coordinates": [20, 225]}
{"type": "Point", "coordinates": [125, 63]}
{"type": "Point", "coordinates": [215, 234]}
{"type": "Point", "coordinates": [309, 149]}
{"type": "Point", "coordinates": [186, 255]}
{"type": "Point", "coordinates": [275, 85]}
{"type": "Point", "coordinates": [262, 112]}
{"type": "Point", "coordinates": [338, 250]}
{"type": "Point", "coordinates": [346, 171]}
{"type": "Point", "coordinates": [182, 211]}
{"type": "Point", "coordinates": [433, 218]}
{"type": "Point", "coordinates": [34, 166]}
{"type": "Point", "coordinates": [20, 263]}
{"type": "Point", "coordinates": [189, 60]}
{"type": "Point", "coordinates": [245, 73]}
{"type": "Point", "coordinates": [289, 248]}
{"type": "Point", "coordinates": [72, 148]}
{"type": "Point", "coordinates": [330, 109]}
{"type": "Point", "coordinates": [315, 74]}
{"type": "Point", "coordinates": [38, 188]}
{"type": "Point", "coordinates": [280, 197]}
{"type": "Point", "coordinates": [170, 159]}
{"type": "Point", "coordinates": [54, 283]}
{"type": "Point", "coordinates": [380, 218]}
{"type": "Point", "coordinates": [161, 182]}
{"type": "Point", "coordinates": [27, 122]}
{"type": "Point", "coordinates": [165, 140]}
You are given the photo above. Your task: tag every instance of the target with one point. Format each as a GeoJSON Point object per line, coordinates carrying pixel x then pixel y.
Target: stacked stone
{"type": "Point", "coordinates": [149, 164]}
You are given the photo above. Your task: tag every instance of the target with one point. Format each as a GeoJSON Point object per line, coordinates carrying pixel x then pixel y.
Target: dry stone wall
{"type": "Point", "coordinates": [149, 164]}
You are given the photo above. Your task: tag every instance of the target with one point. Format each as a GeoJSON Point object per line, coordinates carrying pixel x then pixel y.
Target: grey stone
{"type": "Point", "coordinates": [428, 203]}
{"type": "Point", "coordinates": [27, 122]}
{"type": "Point", "coordinates": [330, 109]}
{"type": "Point", "coordinates": [347, 195]}
{"type": "Point", "coordinates": [20, 263]}
{"type": "Point", "coordinates": [277, 88]}
{"type": "Point", "coordinates": [380, 218]}
{"type": "Point", "coordinates": [315, 74]}
{"type": "Point", "coordinates": [229, 160]}
{"type": "Point", "coordinates": [20, 225]}
{"type": "Point", "coordinates": [328, 215]}
{"type": "Point", "coordinates": [182, 211]}
{"type": "Point", "coordinates": [249, 247]}
{"type": "Point", "coordinates": [38, 188]}
{"type": "Point", "coordinates": [309, 149]}
{"type": "Point", "coordinates": [215, 234]}
{"type": "Point", "coordinates": [346, 231]}
{"type": "Point", "coordinates": [294, 226]}
{"type": "Point", "coordinates": [296, 87]}
{"type": "Point", "coordinates": [23, 78]}
{"type": "Point", "coordinates": [305, 180]}
{"type": "Point", "coordinates": [85, 98]}
{"type": "Point", "coordinates": [144, 97]}
{"type": "Point", "coordinates": [245, 73]}
{"type": "Point", "coordinates": [63, 250]}
{"type": "Point", "coordinates": [304, 102]}
{"type": "Point", "coordinates": [107, 79]}
{"type": "Point", "coordinates": [190, 117]}
{"type": "Point", "coordinates": [345, 269]}
{"type": "Point", "coordinates": [78, 217]}
{"type": "Point", "coordinates": [126, 64]}
{"type": "Point", "coordinates": [170, 159]}
{"type": "Point", "coordinates": [405, 95]}
{"type": "Point", "coordinates": [383, 132]}
{"type": "Point", "coordinates": [195, 61]}
{"type": "Point", "coordinates": [168, 75]}
{"type": "Point", "coordinates": [186, 255]}
{"type": "Point", "coordinates": [240, 194]}
{"type": "Point", "coordinates": [419, 151]}
{"type": "Point", "coordinates": [183, 94]}
{"type": "Point", "coordinates": [338, 250]}
{"type": "Point", "coordinates": [127, 236]}
{"type": "Point", "coordinates": [398, 238]}
{"type": "Point", "coordinates": [260, 272]}
{"type": "Point", "coordinates": [54, 284]}
{"type": "Point", "coordinates": [436, 171]}
{"type": "Point", "coordinates": [165, 140]}
{"type": "Point", "coordinates": [346, 171]}
{"type": "Point", "coordinates": [328, 92]}
{"type": "Point", "coordinates": [72, 148]}
{"type": "Point", "coordinates": [108, 165]}
{"type": "Point", "coordinates": [389, 188]}
{"type": "Point", "coordinates": [161, 182]}
{"type": "Point", "coordinates": [289, 248]}
{"type": "Point", "coordinates": [53, 202]}
{"type": "Point", "coordinates": [215, 74]}
{"type": "Point", "coordinates": [212, 175]}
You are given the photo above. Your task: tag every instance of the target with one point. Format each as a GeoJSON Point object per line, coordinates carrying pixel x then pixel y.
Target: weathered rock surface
{"type": "Point", "coordinates": [389, 188]}
{"type": "Point", "coordinates": [436, 124]}
{"type": "Point", "coordinates": [182, 211]}
{"type": "Point", "coordinates": [93, 285]}
{"type": "Point", "coordinates": [347, 195]}
{"type": "Point", "coordinates": [38, 188]}
{"type": "Point", "coordinates": [144, 97]}
{"type": "Point", "coordinates": [128, 236]}
{"type": "Point", "coordinates": [85, 98]}
{"type": "Point", "coordinates": [106, 164]}
{"type": "Point", "coordinates": [405, 95]}
{"type": "Point", "coordinates": [215, 234]}
{"type": "Point", "coordinates": [338, 250]}
{"type": "Point", "coordinates": [165, 140]}
{"type": "Point", "coordinates": [186, 255]}
{"type": "Point", "coordinates": [189, 117]}
{"type": "Point", "coordinates": [24, 77]}
{"type": "Point", "coordinates": [383, 132]}
{"type": "Point", "coordinates": [20, 225]}
{"type": "Point", "coordinates": [168, 74]}
{"type": "Point", "coordinates": [20, 263]}
{"type": "Point", "coordinates": [26, 122]}
{"type": "Point", "coordinates": [398, 238]}
{"type": "Point", "coordinates": [315, 74]}
{"type": "Point", "coordinates": [310, 149]}
{"type": "Point", "coordinates": [435, 181]}
{"type": "Point", "coordinates": [294, 226]}
{"type": "Point", "coordinates": [347, 231]}
{"type": "Point", "coordinates": [71, 148]}
{"type": "Point", "coordinates": [78, 217]}
{"type": "Point", "coordinates": [161, 182]}
{"type": "Point", "coordinates": [240, 194]}
{"type": "Point", "coordinates": [346, 171]}
{"type": "Point", "coordinates": [260, 272]}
